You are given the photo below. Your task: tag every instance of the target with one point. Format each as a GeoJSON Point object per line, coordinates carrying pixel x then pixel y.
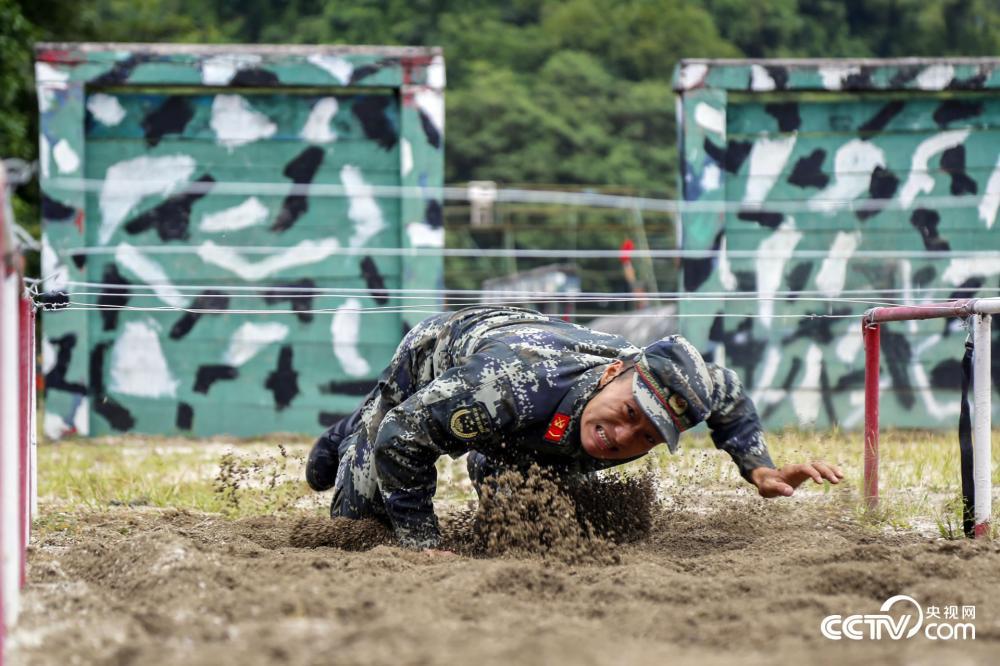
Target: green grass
{"type": "Point", "coordinates": [919, 475]}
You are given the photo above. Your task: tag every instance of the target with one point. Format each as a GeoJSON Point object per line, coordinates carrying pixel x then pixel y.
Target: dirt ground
{"type": "Point", "coordinates": [710, 580]}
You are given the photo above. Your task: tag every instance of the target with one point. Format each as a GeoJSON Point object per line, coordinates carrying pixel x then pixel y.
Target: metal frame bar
{"type": "Point", "coordinates": [981, 311]}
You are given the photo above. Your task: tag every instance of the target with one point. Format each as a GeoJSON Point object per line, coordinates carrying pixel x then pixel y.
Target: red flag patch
{"type": "Point", "coordinates": [557, 427]}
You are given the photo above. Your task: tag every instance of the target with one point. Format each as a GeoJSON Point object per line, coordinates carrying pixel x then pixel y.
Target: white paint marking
{"type": "Point", "coordinates": [48, 80]}
{"type": "Point", "coordinates": [219, 70]}
{"type": "Point", "coordinates": [247, 214]}
{"type": "Point", "coordinates": [335, 66]}
{"type": "Point", "coordinates": [431, 102]}
{"type": "Point", "coordinates": [317, 127]}
{"type": "Point", "coordinates": [760, 80]}
{"type": "Point", "coordinates": [55, 273]}
{"type": "Point", "coordinates": [345, 328]}
{"type": "Point", "coordinates": [763, 393]}
{"type": "Point", "coordinates": [711, 177]}
{"type": "Point", "coordinates": [852, 165]}
{"type": "Point", "coordinates": [833, 76]}
{"type": "Point", "coordinates": [138, 366]}
{"type": "Point", "coordinates": [81, 417]}
{"type": "Point", "coordinates": [236, 123]}
{"type": "Point", "coordinates": [250, 338]}
{"type": "Point", "coordinates": [960, 270]}
{"type": "Point", "coordinates": [849, 345]}
{"type": "Point", "coordinates": [775, 251]}
{"type": "Point", "coordinates": [150, 272]}
{"type": "Point", "coordinates": [67, 161]}
{"type": "Point", "coordinates": [106, 109]}
{"type": "Point", "coordinates": [363, 210]}
{"type": "Point", "coordinates": [302, 254]}
{"type": "Point", "coordinates": [710, 118]}
{"type": "Point", "coordinates": [767, 160]}
{"type": "Point", "coordinates": [919, 180]}
{"type": "Point", "coordinates": [935, 77]}
{"type": "Point", "coordinates": [693, 75]}
{"type": "Point", "coordinates": [436, 73]}
{"type": "Point", "coordinates": [806, 398]}
{"type": "Point", "coordinates": [54, 426]}
{"type": "Point", "coordinates": [43, 155]}
{"type": "Point", "coordinates": [405, 157]}
{"type": "Point", "coordinates": [127, 183]}
{"type": "Point", "coordinates": [833, 272]}
{"type": "Point", "coordinates": [991, 198]}
{"type": "Point", "coordinates": [939, 411]}
{"type": "Point", "coordinates": [726, 276]}
{"type": "Point", "coordinates": [423, 235]}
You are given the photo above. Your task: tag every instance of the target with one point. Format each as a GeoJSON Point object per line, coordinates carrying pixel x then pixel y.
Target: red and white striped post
{"type": "Point", "coordinates": [871, 333]}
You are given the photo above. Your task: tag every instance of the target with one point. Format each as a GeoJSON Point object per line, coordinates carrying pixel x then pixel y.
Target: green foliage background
{"type": "Point", "coordinates": [551, 92]}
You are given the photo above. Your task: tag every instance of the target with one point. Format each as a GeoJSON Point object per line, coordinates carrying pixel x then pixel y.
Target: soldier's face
{"type": "Point", "coordinates": [612, 426]}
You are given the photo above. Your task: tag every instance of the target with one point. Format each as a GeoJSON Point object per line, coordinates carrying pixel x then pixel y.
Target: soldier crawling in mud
{"type": "Point", "coordinates": [513, 387]}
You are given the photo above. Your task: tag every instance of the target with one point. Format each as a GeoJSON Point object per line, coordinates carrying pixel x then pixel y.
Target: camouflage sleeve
{"type": "Point", "coordinates": [448, 416]}
{"type": "Point", "coordinates": [734, 422]}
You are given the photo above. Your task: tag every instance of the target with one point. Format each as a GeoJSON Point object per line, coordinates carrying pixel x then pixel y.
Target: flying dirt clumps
{"type": "Point", "coordinates": [536, 514]}
{"type": "Point", "coordinates": [343, 533]}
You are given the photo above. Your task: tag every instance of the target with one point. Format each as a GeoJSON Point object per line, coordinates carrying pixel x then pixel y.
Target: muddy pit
{"type": "Point", "coordinates": [542, 575]}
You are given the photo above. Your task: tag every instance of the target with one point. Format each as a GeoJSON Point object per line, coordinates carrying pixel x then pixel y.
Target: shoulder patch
{"type": "Point", "coordinates": [469, 422]}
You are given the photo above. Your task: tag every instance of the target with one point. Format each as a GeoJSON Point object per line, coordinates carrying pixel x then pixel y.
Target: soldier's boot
{"type": "Point", "coordinates": [324, 458]}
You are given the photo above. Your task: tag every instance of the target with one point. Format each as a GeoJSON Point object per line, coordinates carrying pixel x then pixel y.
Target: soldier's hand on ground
{"type": "Point", "coordinates": [783, 482]}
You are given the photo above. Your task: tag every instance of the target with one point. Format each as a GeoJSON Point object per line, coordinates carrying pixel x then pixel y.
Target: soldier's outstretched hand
{"type": "Point", "coordinates": [783, 482]}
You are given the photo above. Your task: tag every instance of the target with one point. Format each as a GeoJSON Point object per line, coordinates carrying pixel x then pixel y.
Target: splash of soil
{"type": "Point", "coordinates": [343, 533]}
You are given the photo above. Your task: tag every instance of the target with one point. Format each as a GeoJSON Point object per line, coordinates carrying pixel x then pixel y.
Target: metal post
{"type": "Point", "coordinates": [24, 361]}
{"type": "Point", "coordinates": [982, 390]}
{"type": "Point", "coordinates": [871, 341]}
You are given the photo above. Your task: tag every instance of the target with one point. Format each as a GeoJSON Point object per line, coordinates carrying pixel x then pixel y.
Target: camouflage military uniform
{"type": "Point", "coordinates": [509, 385]}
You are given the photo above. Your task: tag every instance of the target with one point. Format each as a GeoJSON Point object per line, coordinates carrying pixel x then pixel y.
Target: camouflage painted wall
{"type": "Point", "coordinates": [168, 175]}
{"type": "Point", "coordinates": [848, 181]}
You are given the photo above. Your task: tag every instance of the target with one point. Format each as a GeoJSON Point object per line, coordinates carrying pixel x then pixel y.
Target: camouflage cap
{"type": "Point", "coordinates": [672, 387]}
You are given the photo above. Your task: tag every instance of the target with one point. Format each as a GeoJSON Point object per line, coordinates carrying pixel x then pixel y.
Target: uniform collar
{"type": "Point", "coordinates": [564, 425]}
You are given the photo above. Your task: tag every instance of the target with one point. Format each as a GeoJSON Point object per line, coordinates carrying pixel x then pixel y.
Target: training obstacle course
{"type": "Point", "coordinates": [976, 450]}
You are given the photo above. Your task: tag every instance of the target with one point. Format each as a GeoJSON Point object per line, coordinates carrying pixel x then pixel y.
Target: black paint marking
{"type": "Point", "coordinates": [56, 377]}
{"type": "Point", "coordinates": [953, 163]}
{"type": "Point", "coordinates": [113, 296]}
{"type": "Point", "coordinates": [327, 419]}
{"type": "Point", "coordinates": [284, 381]}
{"type": "Point", "coordinates": [301, 170]}
{"type": "Point", "coordinates": [732, 157]}
{"type": "Point", "coordinates": [825, 393]}
{"type": "Point", "coordinates": [209, 300]}
{"type": "Point", "coordinates": [171, 117]}
{"type": "Point", "coordinates": [120, 72]}
{"type": "Point", "coordinates": [374, 281]}
{"type": "Point", "coordinates": [926, 222]}
{"type": "Point", "coordinates": [905, 74]}
{"type": "Point", "coordinates": [696, 271]}
{"type": "Point", "coordinates": [370, 110]}
{"type": "Point", "coordinates": [185, 416]}
{"type": "Point", "coordinates": [851, 380]}
{"type": "Point", "coordinates": [967, 289]}
{"type": "Point", "coordinates": [743, 351]}
{"type": "Point", "coordinates": [113, 411]}
{"type": "Point", "coordinates": [361, 387]}
{"type": "Point", "coordinates": [897, 355]}
{"type": "Point", "coordinates": [787, 115]}
{"type": "Point", "coordinates": [859, 81]}
{"type": "Point", "coordinates": [780, 75]}
{"type": "Point", "coordinates": [300, 301]}
{"type": "Point", "coordinates": [433, 216]}
{"type": "Point", "coordinates": [808, 171]}
{"type": "Point", "coordinates": [799, 276]}
{"type": "Point", "coordinates": [947, 374]}
{"type": "Point", "coordinates": [762, 217]}
{"type": "Point", "coordinates": [79, 260]}
{"type": "Point", "coordinates": [56, 211]}
{"type": "Point", "coordinates": [924, 276]}
{"type": "Point", "coordinates": [253, 77]}
{"type": "Point", "coordinates": [815, 327]}
{"type": "Point", "coordinates": [972, 83]}
{"type": "Point", "coordinates": [430, 131]}
{"type": "Point", "coordinates": [172, 217]}
{"type": "Point", "coordinates": [745, 280]}
{"type": "Point", "coordinates": [881, 189]}
{"type": "Point", "coordinates": [878, 122]}
{"type": "Point", "coordinates": [956, 109]}
{"type": "Point", "coordinates": [209, 374]}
